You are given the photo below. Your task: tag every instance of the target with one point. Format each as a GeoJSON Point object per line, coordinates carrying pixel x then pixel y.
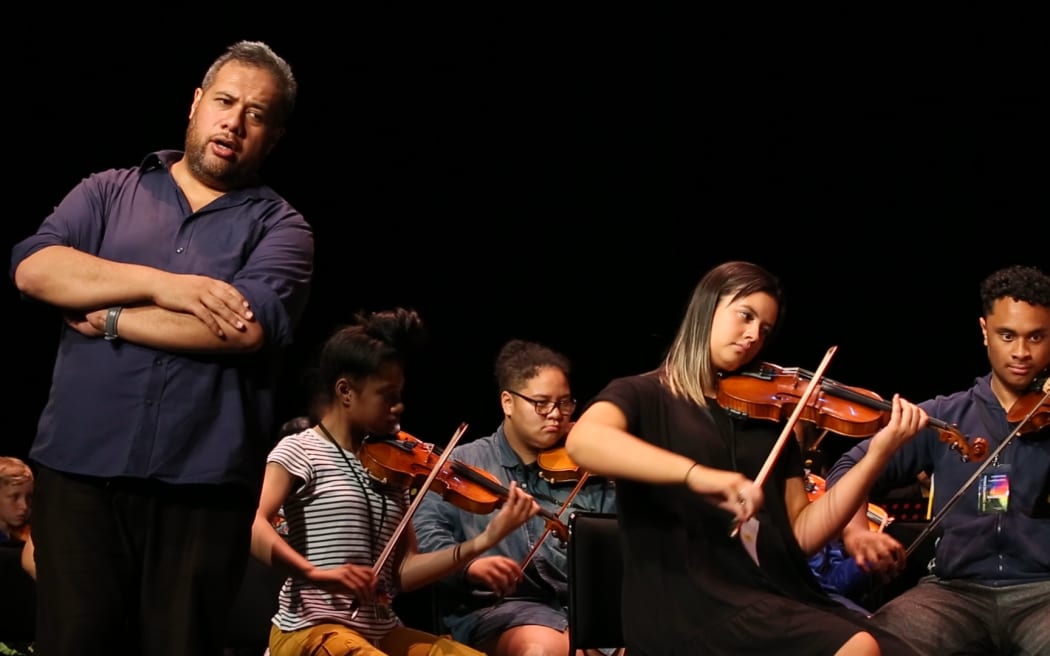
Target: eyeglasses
{"type": "Point", "coordinates": [544, 408]}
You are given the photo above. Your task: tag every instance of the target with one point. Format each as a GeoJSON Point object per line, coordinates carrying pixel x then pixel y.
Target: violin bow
{"type": "Point", "coordinates": [789, 427]}
{"type": "Point", "coordinates": [434, 471]}
{"type": "Point", "coordinates": [549, 530]}
{"type": "Point", "coordinates": [933, 523]}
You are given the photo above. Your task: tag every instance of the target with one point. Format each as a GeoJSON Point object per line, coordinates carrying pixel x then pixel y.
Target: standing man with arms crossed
{"type": "Point", "coordinates": [989, 587]}
{"type": "Point", "coordinates": [180, 280]}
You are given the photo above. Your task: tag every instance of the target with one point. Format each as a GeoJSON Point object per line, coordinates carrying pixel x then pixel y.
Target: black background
{"type": "Point", "coordinates": [569, 178]}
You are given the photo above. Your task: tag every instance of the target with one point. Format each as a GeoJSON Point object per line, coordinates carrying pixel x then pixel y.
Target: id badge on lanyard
{"type": "Point", "coordinates": [993, 490]}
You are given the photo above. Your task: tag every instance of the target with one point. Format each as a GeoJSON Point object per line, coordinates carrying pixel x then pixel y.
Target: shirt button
{"type": "Point", "coordinates": [179, 249]}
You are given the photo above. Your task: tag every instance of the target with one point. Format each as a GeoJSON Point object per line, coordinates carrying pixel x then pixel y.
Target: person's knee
{"type": "Point", "coordinates": [532, 640]}
{"type": "Point", "coordinates": [861, 644]}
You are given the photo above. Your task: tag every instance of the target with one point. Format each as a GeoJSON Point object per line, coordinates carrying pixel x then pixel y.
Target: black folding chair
{"type": "Point", "coordinates": [595, 579]}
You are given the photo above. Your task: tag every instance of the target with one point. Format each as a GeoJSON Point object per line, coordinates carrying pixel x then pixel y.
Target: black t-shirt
{"type": "Point", "coordinates": [691, 588]}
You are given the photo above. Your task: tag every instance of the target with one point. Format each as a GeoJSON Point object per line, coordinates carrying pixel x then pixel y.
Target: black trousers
{"type": "Point", "coordinates": [130, 567]}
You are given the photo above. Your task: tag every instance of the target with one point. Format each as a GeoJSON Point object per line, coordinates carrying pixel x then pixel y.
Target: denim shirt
{"type": "Point", "coordinates": [439, 524]}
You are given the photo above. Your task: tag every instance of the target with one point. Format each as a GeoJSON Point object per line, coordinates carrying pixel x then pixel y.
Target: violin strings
{"type": "Point", "coordinates": [466, 472]}
{"type": "Point", "coordinates": [829, 385]}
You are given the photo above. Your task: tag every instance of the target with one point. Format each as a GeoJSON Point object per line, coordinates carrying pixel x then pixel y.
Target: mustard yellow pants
{"type": "Point", "coordinates": [338, 640]}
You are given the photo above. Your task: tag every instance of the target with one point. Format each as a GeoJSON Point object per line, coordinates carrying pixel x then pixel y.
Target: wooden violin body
{"type": "Point", "coordinates": [406, 461]}
{"type": "Point", "coordinates": [771, 392]}
{"type": "Point", "coordinates": [1034, 405]}
{"type": "Point", "coordinates": [557, 467]}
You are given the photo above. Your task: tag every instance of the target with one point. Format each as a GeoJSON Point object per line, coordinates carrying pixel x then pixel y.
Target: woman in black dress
{"type": "Point", "coordinates": [685, 471]}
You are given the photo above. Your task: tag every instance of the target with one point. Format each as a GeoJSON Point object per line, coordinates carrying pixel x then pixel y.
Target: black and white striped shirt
{"type": "Point", "coordinates": [331, 522]}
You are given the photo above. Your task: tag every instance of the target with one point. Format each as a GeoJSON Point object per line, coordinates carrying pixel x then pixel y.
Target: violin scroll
{"type": "Point", "coordinates": [970, 451]}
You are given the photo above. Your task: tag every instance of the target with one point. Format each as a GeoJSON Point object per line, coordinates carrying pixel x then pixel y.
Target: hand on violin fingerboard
{"type": "Point", "coordinates": [906, 419]}
{"type": "Point", "coordinates": [515, 511]}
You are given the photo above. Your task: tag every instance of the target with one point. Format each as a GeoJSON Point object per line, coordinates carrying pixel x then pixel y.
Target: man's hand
{"type": "Point", "coordinates": [875, 552]}
{"type": "Point", "coordinates": [85, 323]}
{"type": "Point", "coordinates": [208, 299]}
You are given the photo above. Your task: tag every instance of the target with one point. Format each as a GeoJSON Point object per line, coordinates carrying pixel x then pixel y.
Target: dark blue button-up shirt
{"type": "Point", "coordinates": [121, 409]}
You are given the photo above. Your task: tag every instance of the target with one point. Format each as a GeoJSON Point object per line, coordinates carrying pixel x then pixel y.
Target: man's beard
{"type": "Point", "coordinates": [214, 172]}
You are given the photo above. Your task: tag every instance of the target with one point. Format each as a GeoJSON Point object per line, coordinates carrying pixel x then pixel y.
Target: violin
{"type": "Point", "coordinates": [406, 469]}
{"type": "Point", "coordinates": [1035, 406]}
{"type": "Point", "coordinates": [405, 461]}
{"type": "Point", "coordinates": [557, 467]}
{"type": "Point", "coordinates": [878, 517]}
{"type": "Point", "coordinates": [771, 390]}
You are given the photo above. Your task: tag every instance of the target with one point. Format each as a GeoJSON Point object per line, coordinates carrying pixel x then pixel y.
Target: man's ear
{"type": "Point", "coordinates": [196, 100]}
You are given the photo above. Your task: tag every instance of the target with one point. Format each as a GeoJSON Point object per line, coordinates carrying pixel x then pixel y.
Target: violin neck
{"type": "Point", "coordinates": [460, 469]}
{"type": "Point", "coordinates": [844, 392]}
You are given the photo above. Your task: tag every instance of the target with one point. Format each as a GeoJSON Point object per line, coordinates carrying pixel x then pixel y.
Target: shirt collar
{"type": "Point", "coordinates": [163, 159]}
{"type": "Point", "coordinates": [507, 457]}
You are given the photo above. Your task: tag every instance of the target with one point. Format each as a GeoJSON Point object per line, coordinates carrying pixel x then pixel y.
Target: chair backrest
{"type": "Point", "coordinates": [595, 574]}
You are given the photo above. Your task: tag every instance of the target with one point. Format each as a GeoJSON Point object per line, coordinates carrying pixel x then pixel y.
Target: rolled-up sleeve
{"type": "Point", "coordinates": [276, 278]}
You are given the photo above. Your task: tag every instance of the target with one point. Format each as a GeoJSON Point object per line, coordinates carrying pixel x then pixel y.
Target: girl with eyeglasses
{"type": "Point", "coordinates": [511, 600]}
